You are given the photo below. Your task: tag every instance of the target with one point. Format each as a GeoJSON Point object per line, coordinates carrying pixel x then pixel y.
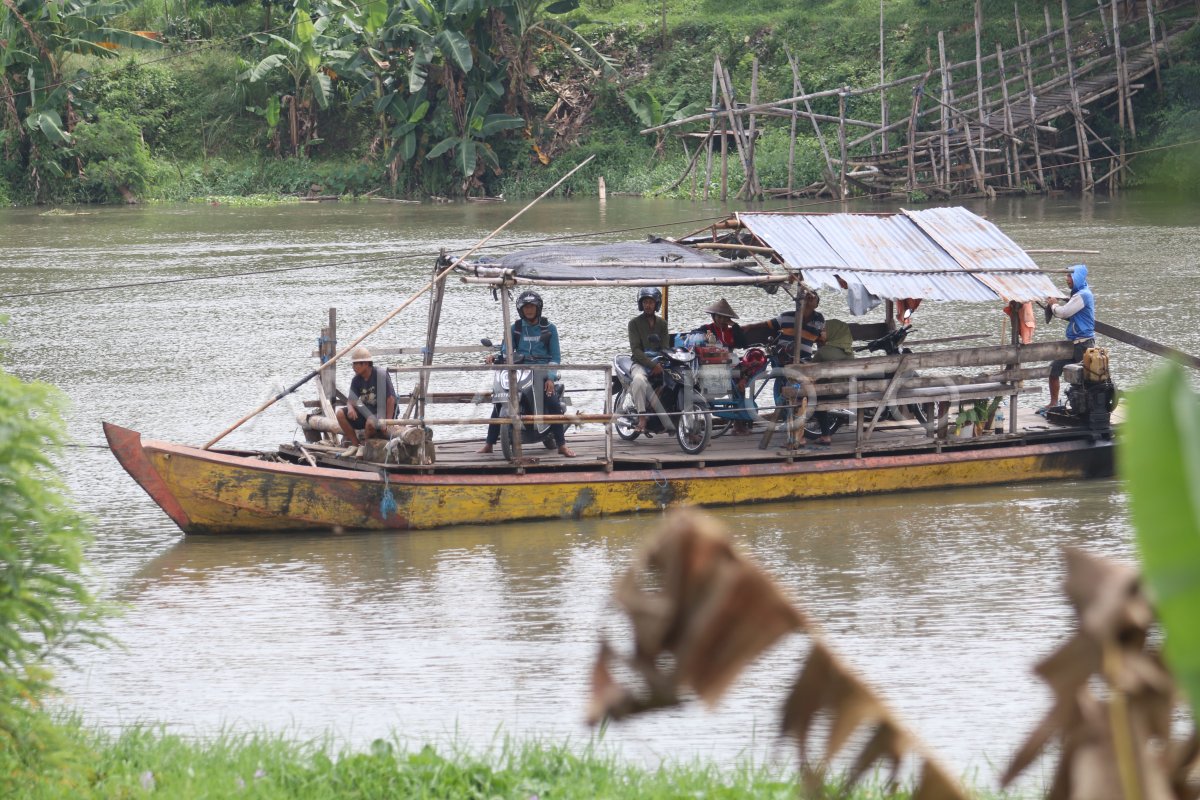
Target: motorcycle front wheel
{"type": "Point", "coordinates": [694, 428]}
{"type": "Point", "coordinates": [625, 411]}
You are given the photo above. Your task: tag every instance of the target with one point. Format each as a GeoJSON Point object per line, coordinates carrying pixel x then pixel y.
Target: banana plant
{"type": "Point", "coordinates": [530, 27]}
{"type": "Point", "coordinates": [309, 57]}
{"type": "Point", "coordinates": [469, 148]}
{"type": "Point", "coordinates": [651, 112]}
{"type": "Point", "coordinates": [436, 34]}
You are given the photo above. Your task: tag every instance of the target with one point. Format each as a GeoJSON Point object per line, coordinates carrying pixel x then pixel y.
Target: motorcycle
{"type": "Point", "coordinates": [679, 407]}
{"type": "Point", "coordinates": [891, 344]}
{"type": "Point", "coordinates": [531, 401]}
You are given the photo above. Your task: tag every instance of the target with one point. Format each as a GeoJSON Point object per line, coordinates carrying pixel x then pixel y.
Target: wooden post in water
{"type": "Point", "coordinates": [979, 67]}
{"type": "Point", "coordinates": [1085, 164]}
{"type": "Point", "coordinates": [1014, 317]}
{"type": "Point", "coordinates": [327, 349]}
{"type": "Point", "coordinates": [724, 164]}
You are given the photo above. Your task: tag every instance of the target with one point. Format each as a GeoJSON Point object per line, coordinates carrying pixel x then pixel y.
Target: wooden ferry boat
{"type": "Point", "coordinates": [940, 254]}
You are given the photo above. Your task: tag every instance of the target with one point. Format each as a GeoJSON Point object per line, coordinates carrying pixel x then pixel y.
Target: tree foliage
{"type": "Point", "coordinates": [38, 94]}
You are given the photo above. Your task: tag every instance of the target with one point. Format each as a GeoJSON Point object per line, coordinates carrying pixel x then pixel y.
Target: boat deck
{"type": "Point", "coordinates": [661, 450]}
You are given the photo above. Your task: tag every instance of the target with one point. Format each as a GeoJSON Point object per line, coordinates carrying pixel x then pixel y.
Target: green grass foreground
{"type": "Point", "coordinates": [79, 762]}
{"type": "Point", "coordinates": [72, 760]}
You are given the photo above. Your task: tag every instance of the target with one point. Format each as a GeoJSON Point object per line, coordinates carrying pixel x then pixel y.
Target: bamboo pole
{"type": "Point", "coordinates": [1085, 166]}
{"type": "Point", "coordinates": [752, 176]}
{"type": "Point", "coordinates": [1039, 175]}
{"type": "Point", "coordinates": [883, 106]}
{"type": "Point", "coordinates": [1011, 157]}
{"type": "Point", "coordinates": [792, 127]}
{"type": "Point", "coordinates": [979, 61]}
{"type": "Point", "coordinates": [1150, 4]}
{"type": "Point", "coordinates": [945, 110]}
{"type": "Point", "coordinates": [734, 120]}
{"type": "Point", "coordinates": [816, 128]}
{"type": "Point", "coordinates": [392, 314]}
{"type": "Point", "coordinates": [1050, 34]}
{"type": "Point", "coordinates": [1118, 52]}
{"type": "Point", "coordinates": [841, 149]}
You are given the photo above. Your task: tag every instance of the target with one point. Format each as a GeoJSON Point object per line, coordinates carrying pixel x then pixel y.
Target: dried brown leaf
{"type": "Point", "coordinates": [826, 685]}
{"type": "Point", "coordinates": [609, 698]}
{"type": "Point", "coordinates": [1069, 667]}
{"type": "Point", "coordinates": [651, 613]}
{"type": "Point", "coordinates": [715, 611]}
{"type": "Point", "coordinates": [1059, 717]}
{"type": "Point", "coordinates": [1108, 599]}
{"type": "Point", "coordinates": [889, 744]}
{"type": "Point", "coordinates": [743, 615]}
{"type": "Point", "coordinates": [807, 697]}
{"type": "Point", "coordinates": [935, 784]}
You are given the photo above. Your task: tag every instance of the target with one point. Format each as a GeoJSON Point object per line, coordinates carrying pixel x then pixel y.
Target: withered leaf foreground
{"type": "Point", "coordinates": [713, 612]}
{"type": "Point", "coordinates": [827, 688]}
{"type": "Point", "coordinates": [710, 614]}
{"type": "Point", "coordinates": [1118, 748]}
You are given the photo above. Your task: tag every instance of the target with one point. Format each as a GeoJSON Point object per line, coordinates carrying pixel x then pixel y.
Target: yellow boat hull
{"type": "Point", "coordinates": [219, 492]}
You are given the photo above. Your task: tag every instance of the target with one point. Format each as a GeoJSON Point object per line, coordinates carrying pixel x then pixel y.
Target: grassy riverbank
{"type": "Point", "coordinates": [142, 762]}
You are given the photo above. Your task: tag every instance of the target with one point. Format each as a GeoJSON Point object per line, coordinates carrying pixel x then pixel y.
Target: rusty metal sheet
{"type": "Point", "coordinates": [936, 254]}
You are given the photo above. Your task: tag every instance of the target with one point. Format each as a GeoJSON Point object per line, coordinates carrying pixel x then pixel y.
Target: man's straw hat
{"type": "Point", "coordinates": [722, 308]}
{"type": "Point", "coordinates": [360, 354]}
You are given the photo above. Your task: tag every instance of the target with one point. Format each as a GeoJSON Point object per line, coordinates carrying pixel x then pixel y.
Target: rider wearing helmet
{"type": "Point", "coordinates": [535, 341]}
{"type": "Point", "coordinates": [641, 328]}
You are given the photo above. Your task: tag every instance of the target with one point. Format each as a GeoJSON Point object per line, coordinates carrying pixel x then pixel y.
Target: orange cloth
{"type": "Point", "coordinates": [1026, 323]}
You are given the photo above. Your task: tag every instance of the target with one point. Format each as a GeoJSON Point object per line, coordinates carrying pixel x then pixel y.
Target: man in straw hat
{"type": "Point", "coordinates": [723, 327]}
{"type": "Point", "coordinates": [371, 398]}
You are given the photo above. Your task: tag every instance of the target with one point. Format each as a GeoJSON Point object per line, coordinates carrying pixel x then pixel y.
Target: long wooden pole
{"type": "Point", "coordinates": [398, 309]}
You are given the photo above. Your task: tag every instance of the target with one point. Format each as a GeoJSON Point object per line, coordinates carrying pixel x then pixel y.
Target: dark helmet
{"type": "Point", "coordinates": [650, 291]}
{"type": "Point", "coordinates": [529, 296]}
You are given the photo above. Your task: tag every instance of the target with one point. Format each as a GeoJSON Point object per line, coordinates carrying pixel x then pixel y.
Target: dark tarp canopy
{"type": "Point", "coordinates": [654, 263]}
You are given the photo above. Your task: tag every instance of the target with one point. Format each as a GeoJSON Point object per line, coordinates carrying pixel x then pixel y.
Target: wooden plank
{"type": "Point", "coordinates": [1148, 345]}
{"type": "Point", "coordinates": [960, 357]}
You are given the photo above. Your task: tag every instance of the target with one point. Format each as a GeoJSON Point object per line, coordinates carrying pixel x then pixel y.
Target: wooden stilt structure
{"type": "Point", "coordinates": [1008, 127]}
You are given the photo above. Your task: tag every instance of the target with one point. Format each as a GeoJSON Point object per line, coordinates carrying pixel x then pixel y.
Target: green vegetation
{"type": "Point", "coordinates": [45, 607]}
{"type": "Point", "coordinates": [143, 762]}
{"type": "Point", "coordinates": [1159, 462]}
{"type": "Point", "coordinates": [413, 97]}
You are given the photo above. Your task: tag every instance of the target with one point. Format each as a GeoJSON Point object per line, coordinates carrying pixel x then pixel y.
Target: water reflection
{"type": "Point", "coordinates": [942, 600]}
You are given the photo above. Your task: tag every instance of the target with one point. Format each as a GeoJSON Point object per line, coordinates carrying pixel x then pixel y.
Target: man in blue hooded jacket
{"type": "Point", "coordinates": [1080, 313]}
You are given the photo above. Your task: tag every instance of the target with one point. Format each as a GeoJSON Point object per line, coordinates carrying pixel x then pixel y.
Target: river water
{"type": "Point", "coordinates": [943, 600]}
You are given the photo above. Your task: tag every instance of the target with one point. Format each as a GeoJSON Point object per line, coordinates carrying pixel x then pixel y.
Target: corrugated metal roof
{"type": "Point", "coordinates": [936, 254]}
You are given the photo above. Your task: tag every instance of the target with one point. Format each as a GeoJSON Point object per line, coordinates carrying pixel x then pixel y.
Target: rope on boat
{"type": "Point", "coordinates": [387, 504]}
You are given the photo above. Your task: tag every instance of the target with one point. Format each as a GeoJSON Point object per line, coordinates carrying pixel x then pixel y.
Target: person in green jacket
{"type": "Point", "coordinates": [641, 328]}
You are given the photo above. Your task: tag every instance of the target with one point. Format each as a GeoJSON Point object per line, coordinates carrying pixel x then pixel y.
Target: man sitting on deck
{"type": "Point", "coordinates": [371, 398]}
{"type": "Point", "coordinates": [1080, 313]}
